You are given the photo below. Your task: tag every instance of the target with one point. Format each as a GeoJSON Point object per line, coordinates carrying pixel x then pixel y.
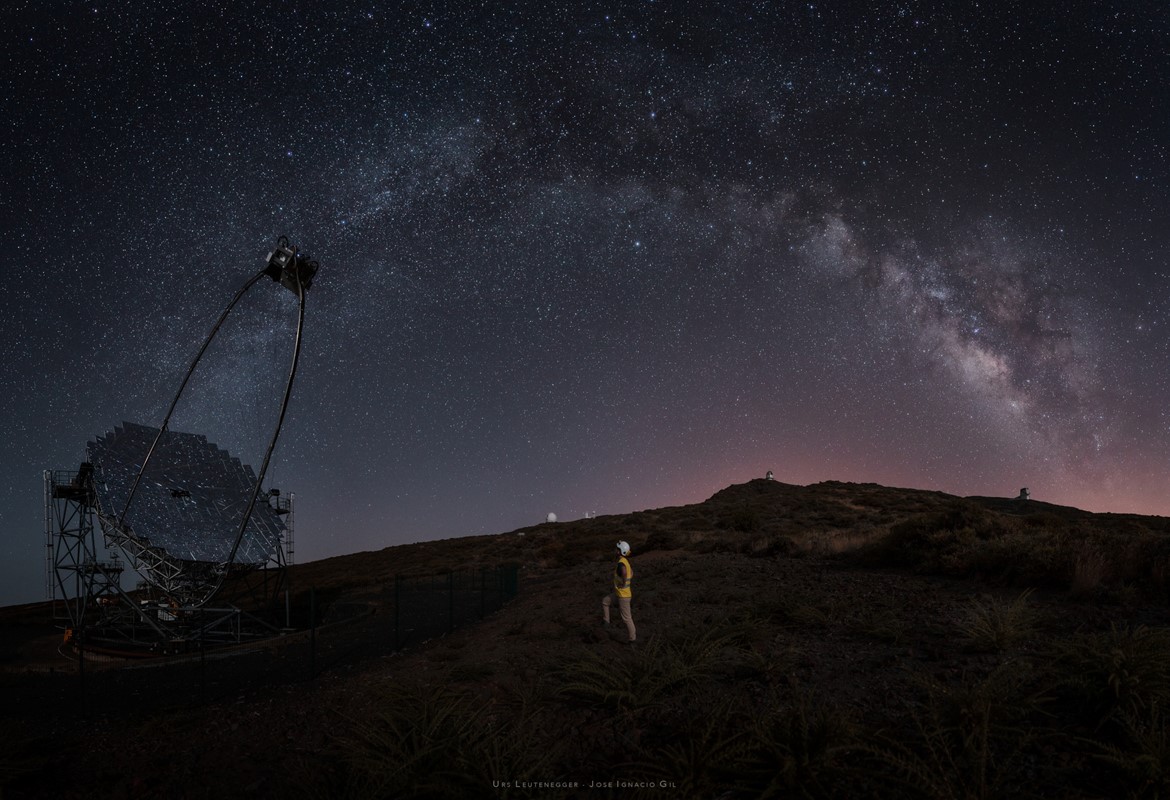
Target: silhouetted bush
{"type": "Point", "coordinates": [1044, 519]}
{"type": "Point", "coordinates": [692, 521]}
{"type": "Point", "coordinates": [715, 543]}
{"type": "Point", "coordinates": [966, 541]}
{"type": "Point", "coordinates": [968, 741]}
{"type": "Point", "coordinates": [994, 625]}
{"type": "Point", "coordinates": [419, 742]}
{"type": "Point", "coordinates": [1106, 676]}
{"type": "Point", "coordinates": [745, 520]}
{"type": "Point", "coordinates": [766, 546]}
{"type": "Point", "coordinates": [663, 540]}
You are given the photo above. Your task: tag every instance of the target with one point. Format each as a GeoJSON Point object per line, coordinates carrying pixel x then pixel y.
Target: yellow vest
{"type": "Point", "coordinates": [622, 587]}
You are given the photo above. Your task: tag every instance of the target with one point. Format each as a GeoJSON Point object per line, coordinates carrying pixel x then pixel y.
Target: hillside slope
{"type": "Point", "coordinates": [824, 641]}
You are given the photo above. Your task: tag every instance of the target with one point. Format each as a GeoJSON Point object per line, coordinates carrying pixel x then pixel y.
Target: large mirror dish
{"type": "Point", "coordinates": [187, 510]}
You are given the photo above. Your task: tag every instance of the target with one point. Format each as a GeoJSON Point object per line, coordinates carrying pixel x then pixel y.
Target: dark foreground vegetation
{"type": "Point", "coordinates": [836, 640]}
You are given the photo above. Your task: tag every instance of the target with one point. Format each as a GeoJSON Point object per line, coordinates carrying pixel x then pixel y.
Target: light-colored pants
{"type": "Point", "coordinates": [624, 607]}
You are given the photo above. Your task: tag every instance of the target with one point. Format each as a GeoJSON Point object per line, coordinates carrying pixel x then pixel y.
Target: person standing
{"type": "Point", "coordinates": [623, 576]}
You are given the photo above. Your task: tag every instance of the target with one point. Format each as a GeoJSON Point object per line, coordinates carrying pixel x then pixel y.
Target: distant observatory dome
{"type": "Point", "coordinates": [551, 517]}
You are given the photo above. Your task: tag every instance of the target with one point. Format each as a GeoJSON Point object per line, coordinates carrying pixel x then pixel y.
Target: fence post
{"type": "Point", "coordinates": [312, 633]}
{"type": "Point", "coordinates": [397, 608]}
{"type": "Point", "coordinates": [80, 639]}
{"type": "Point", "coordinates": [450, 602]}
{"type": "Point", "coordinates": [202, 659]}
{"type": "Point", "coordinates": [482, 590]}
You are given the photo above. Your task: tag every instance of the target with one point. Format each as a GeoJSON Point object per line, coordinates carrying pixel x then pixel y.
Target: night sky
{"type": "Point", "coordinates": [590, 258]}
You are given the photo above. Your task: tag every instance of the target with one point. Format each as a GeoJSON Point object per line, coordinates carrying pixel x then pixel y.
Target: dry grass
{"type": "Point", "coordinates": [647, 677]}
{"type": "Point", "coordinates": [836, 542]}
{"type": "Point", "coordinates": [1116, 673]}
{"type": "Point", "coordinates": [995, 625]}
{"type": "Point", "coordinates": [799, 745]}
{"type": "Point", "coordinates": [1090, 568]}
{"type": "Point", "coordinates": [423, 742]}
{"type": "Point", "coordinates": [967, 741]}
{"type": "Point", "coordinates": [1142, 761]}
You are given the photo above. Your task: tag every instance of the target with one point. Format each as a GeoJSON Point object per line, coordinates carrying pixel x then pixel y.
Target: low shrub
{"type": "Point", "coordinates": [930, 542]}
{"type": "Point", "coordinates": [663, 540]}
{"type": "Point", "coordinates": [1141, 760]}
{"type": "Point", "coordinates": [1106, 676]}
{"type": "Point", "coordinates": [697, 760]}
{"type": "Point", "coordinates": [647, 678]}
{"type": "Point", "coordinates": [801, 747]}
{"type": "Point", "coordinates": [422, 742]}
{"type": "Point", "coordinates": [743, 520]}
{"type": "Point", "coordinates": [995, 625]}
{"type": "Point", "coordinates": [968, 740]}
{"type": "Point", "coordinates": [1016, 558]}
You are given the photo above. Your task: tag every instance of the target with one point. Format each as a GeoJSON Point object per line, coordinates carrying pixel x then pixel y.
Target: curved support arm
{"type": "Point", "coordinates": [190, 370]}
{"type": "Point", "coordinates": [275, 434]}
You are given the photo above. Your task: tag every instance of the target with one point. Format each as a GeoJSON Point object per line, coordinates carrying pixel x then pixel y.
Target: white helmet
{"type": "Point", "coordinates": [623, 548]}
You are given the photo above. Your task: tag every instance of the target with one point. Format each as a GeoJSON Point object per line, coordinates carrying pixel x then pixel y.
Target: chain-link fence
{"type": "Point", "coordinates": [341, 631]}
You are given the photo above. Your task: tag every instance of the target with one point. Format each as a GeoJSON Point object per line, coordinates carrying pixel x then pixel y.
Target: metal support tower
{"type": "Point", "coordinates": [282, 504]}
{"type": "Point", "coordinates": [77, 578]}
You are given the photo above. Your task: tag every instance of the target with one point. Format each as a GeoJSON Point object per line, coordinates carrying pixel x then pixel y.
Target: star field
{"type": "Point", "coordinates": [591, 257]}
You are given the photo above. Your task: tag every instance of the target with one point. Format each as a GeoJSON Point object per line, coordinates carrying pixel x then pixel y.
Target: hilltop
{"type": "Point", "coordinates": [827, 640]}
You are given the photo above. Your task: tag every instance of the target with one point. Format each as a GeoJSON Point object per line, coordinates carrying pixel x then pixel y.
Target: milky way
{"type": "Point", "coordinates": [593, 257]}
